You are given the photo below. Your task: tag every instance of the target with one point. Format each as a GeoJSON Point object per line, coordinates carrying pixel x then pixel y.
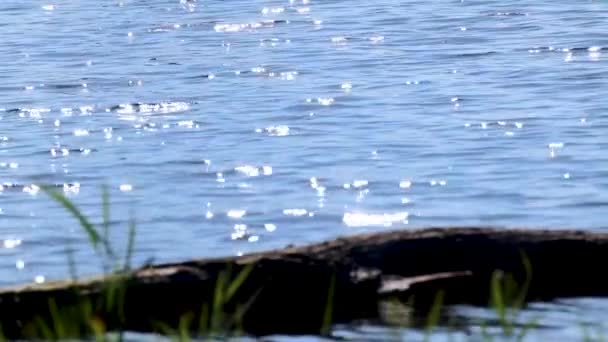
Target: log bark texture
{"type": "Point", "coordinates": [288, 290]}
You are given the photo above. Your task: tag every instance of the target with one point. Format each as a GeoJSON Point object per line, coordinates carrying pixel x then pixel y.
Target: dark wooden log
{"type": "Point", "coordinates": [295, 290]}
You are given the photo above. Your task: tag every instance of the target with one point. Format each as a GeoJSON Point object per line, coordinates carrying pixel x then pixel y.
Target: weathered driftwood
{"type": "Point", "coordinates": [288, 290]}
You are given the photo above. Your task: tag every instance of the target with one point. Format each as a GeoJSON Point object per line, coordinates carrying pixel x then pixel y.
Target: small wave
{"type": "Point", "coordinates": [323, 101]}
{"type": "Point", "coordinates": [272, 42]}
{"type": "Point", "coordinates": [34, 188]}
{"type": "Point", "coordinates": [249, 26]}
{"type": "Point", "coordinates": [165, 28]}
{"type": "Point", "coordinates": [150, 108]}
{"type": "Point", "coordinates": [259, 71]}
{"type": "Point", "coordinates": [272, 10]}
{"type": "Point", "coordinates": [62, 86]}
{"type": "Point", "coordinates": [363, 220]}
{"type": "Point", "coordinates": [340, 39]}
{"type": "Point", "coordinates": [357, 184]}
{"type": "Point", "coordinates": [275, 131]}
{"type": "Point", "coordinates": [297, 212]}
{"type": "Point", "coordinates": [254, 171]}
{"type": "Point", "coordinates": [475, 54]}
{"type": "Point", "coordinates": [507, 14]}
{"type": "Point", "coordinates": [545, 49]}
{"type": "Point", "coordinates": [9, 165]}
{"type": "Point", "coordinates": [267, 72]}
{"type": "Point", "coordinates": [62, 151]}
{"type": "Point", "coordinates": [548, 49]}
{"type": "Point", "coordinates": [373, 39]}
{"type": "Point", "coordinates": [28, 112]}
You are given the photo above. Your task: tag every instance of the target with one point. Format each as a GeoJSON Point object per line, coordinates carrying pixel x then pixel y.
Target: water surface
{"type": "Point", "coordinates": [228, 127]}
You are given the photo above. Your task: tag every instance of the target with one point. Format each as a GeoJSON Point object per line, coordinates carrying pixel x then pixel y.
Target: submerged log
{"type": "Point", "coordinates": [302, 289]}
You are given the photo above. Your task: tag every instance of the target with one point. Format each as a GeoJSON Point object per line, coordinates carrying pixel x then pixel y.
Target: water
{"type": "Point", "coordinates": [228, 127]}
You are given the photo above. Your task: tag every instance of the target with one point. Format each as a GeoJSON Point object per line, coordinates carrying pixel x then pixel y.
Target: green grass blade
{"type": "Point", "coordinates": [110, 293]}
{"type": "Point", "coordinates": [98, 329]}
{"type": "Point", "coordinates": [105, 197]}
{"type": "Point", "coordinates": [329, 307]}
{"type": "Point", "coordinates": [217, 311]}
{"type": "Point", "coordinates": [130, 243]}
{"type": "Point", "coordinates": [184, 327]}
{"type": "Point", "coordinates": [57, 318]}
{"type": "Point", "coordinates": [203, 322]}
{"type": "Point", "coordinates": [237, 283]}
{"type": "Point", "coordinates": [109, 251]}
{"type": "Point", "coordinates": [434, 314]}
{"type": "Point", "coordinates": [69, 252]}
{"type": "Point", "coordinates": [236, 321]}
{"type": "Point", "coordinates": [498, 300]}
{"type": "Point", "coordinates": [88, 227]}
{"type": "Point", "coordinates": [523, 292]}
{"type": "Point", "coordinates": [44, 330]}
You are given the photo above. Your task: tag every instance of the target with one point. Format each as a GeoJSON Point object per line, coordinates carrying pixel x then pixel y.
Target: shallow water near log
{"type": "Point", "coordinates": [230, 127]}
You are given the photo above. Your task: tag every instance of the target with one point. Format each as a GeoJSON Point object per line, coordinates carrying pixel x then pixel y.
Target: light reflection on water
{"type": "Point", "coordinates": [230, 128]}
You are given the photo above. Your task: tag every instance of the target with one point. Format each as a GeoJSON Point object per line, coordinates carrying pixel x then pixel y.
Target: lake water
{"type": "Point", "coordinates": [226, 127]}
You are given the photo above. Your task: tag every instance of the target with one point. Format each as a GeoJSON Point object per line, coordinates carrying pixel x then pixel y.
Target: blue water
{"type": "Point", "coordinates": [226, 127]}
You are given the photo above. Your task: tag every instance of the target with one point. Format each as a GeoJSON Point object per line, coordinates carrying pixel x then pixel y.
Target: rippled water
{"type": "Point", "coordinates": [228, 127]}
